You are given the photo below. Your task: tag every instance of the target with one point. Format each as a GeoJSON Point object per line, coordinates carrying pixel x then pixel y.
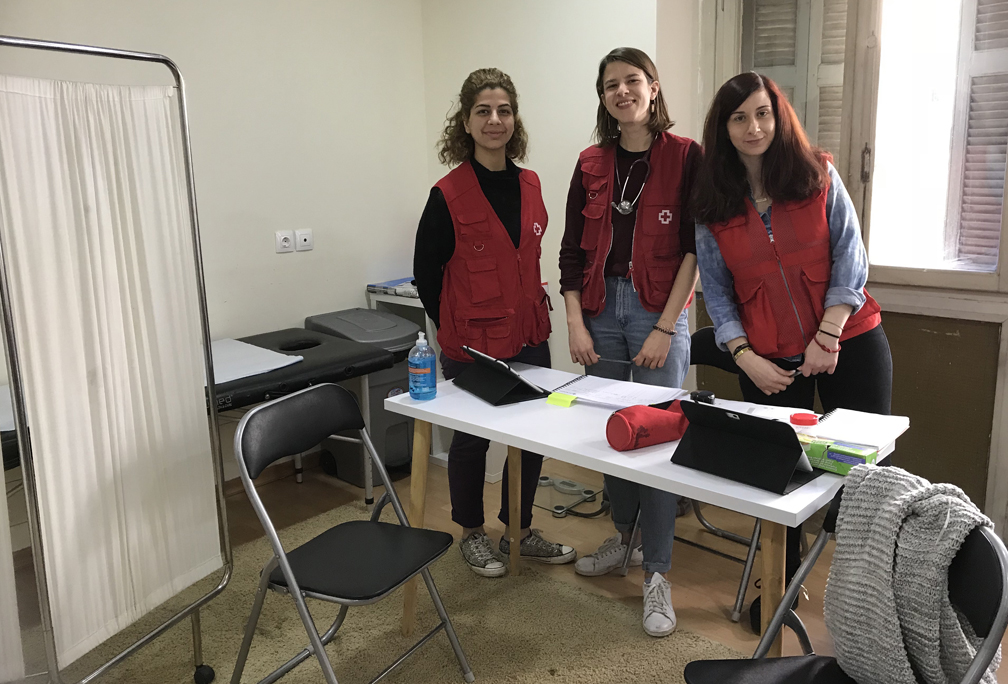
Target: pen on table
{"type": "Point", "coordinates": [615, 361]}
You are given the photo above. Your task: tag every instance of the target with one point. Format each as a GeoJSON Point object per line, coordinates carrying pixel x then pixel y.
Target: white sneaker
{"type": "Point", "coordinates": [659, 617]}
{"type": "Point", "coordinates": [607, 558]}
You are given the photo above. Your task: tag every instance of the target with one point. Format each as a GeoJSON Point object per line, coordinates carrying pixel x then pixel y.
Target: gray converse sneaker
{"type": "Point", "coordinates": [607, 558]}
{"type": "Point", "coordinates": [479, 554]}
{"type": "Point", "coordinates": [659, 616]}
{"type": "Point", "coordinates": [534, 547]}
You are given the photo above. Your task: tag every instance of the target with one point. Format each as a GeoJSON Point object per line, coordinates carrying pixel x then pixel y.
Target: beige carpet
{"type": "Point", "coordinates": [526, 629]}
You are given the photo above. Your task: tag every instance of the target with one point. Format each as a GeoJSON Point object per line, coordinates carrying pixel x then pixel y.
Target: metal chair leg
{"type": "Point", "coordinates": [449, 629]}
{"type": "Point", "coordinates": [625, 566]}
{"type": "Point", "coordinates": [746, 572]}
{"type": "Point", "coordinates": [717, 531]}
{"type": "Point", "coordinates": [253, 620]}
{"type": "Point", "coordinates": [305, 653]}
{"type": "Point", "coordinates": [792, 620]}
{"type": "Point", "coordinates": [314, 639]}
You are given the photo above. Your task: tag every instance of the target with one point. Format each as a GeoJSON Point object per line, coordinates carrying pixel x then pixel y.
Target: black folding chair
{"type": "Point", "coordinates": [352, 564]}
{"type": "Point", "coordinates": [978, 587]}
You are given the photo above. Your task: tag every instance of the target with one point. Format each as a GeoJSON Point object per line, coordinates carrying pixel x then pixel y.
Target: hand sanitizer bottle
{"type": "Point", "coordinates": [422, 370]}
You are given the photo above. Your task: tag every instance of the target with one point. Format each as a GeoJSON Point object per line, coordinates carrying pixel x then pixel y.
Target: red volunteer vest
{"type": "Point", "coordinates": [781, 284]}
{"type": "Point", "coordinates": [656, 255]}
{"type": "Point", "coordinates": [492, 297]}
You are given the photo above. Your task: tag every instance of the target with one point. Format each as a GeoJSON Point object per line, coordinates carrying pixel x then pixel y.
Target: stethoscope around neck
{"type": "Point", "coordinates": [624, 207]}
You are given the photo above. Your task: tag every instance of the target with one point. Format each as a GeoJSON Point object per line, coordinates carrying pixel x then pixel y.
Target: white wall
{"type": "Point", "coordinates": [303, 115]}
{"type": "Point", "coordinates": [324, 115]}
{"type": "Point", "coordinates": [551, 50]}
{"type": "Point", "coordinates": [678, 62]}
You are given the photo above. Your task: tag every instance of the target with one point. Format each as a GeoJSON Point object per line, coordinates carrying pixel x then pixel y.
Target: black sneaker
{"type": "Point", "coordinates": [534, 547]}
{"type": "Point", "coordinates": [479, 554]}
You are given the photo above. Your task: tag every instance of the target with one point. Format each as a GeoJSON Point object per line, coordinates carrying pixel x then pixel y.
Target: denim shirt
{"type": "Point", "coordinates": [848, 274]}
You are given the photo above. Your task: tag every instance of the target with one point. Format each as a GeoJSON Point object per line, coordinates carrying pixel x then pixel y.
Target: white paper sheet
{"type": "Point", "coordinates": [617, 393]}
{"type": "Point", "coordinates": [233, 360]}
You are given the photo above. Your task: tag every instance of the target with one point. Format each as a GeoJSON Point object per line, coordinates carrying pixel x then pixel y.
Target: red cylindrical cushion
{"type": "Point", "coordinates": [640, 426]}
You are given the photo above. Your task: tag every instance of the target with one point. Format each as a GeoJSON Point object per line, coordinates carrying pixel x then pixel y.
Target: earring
{"type": "Point", "coordinates": [652, 105]}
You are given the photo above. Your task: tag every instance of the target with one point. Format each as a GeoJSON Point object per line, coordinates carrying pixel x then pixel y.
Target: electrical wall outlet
{"type": "Point", "coordinates": [284, 241]}
{"type": "Point", "coordinates": [304, 240]}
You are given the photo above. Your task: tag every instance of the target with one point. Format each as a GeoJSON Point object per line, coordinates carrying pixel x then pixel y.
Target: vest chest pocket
{"type": "Point", "coordinates": [808, 219]}
{"type": "Point", "coordinates": [473, 224]}
{"type": "Point", "coordinates": [659, 219]}
{"type": "Point", "coordinates": [732, 239]}
{"type": "Point", "coordinates": [484, 284]}
{"type": "Point", "coordinates": [594, 209]}
{"type": "Point", "coordinates": [592, 225]}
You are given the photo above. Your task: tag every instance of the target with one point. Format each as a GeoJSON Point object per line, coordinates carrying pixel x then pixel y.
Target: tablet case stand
{"type": "Point", "coordinates": [492, 382]}
{"type": "Point", "coordinates": [754, 451]}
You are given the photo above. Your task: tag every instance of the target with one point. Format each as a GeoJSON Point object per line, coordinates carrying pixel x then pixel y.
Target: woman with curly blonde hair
{"type": "Point", "coordinates": [476, 265]}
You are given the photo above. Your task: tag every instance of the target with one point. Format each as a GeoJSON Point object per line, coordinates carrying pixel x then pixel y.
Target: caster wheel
{"type": "Point", "coordinates": [204, 674]}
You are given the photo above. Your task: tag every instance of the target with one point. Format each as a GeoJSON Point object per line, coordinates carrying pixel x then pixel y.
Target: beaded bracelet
{"type": "Point", "coordinates": [663, 330]}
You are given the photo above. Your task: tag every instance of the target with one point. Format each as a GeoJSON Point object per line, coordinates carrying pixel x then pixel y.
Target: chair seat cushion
{"type": "Point", "coordinates": [362, 560]}
{"type": "Point", "coordinates": [811, 669]}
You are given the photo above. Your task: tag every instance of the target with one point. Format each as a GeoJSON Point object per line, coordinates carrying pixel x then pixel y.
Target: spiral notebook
{"type": "Point", "coordinates": [592, 389]}
{"type": "Point", "coordinates": [856, 427]}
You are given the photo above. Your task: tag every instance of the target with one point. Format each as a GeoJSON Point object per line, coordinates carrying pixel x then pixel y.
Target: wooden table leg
{"type": "Point", "coordinates": [773, 538]}
{"type": "Point", "coordinates": [418, 495]}
{"type": "Point", "coordinates": [514, 459]}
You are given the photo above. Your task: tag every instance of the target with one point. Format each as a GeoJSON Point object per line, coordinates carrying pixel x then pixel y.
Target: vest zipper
{"type": "Point", "coordinates": [608, 249]}
{"type": "Point", "coordinates": [787, 287]}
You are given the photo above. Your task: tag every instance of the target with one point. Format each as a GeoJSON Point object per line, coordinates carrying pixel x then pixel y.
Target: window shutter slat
{"type": "Point", "coordinates": [834, 31]}
{"type": "Point", "coordinates": [830, 107]}
{"type": "Point", "coordinates": [775, 33]}
{"type": "Point", "coordinates": [991, 25]}
{"type": "Point", "coordinates": [985, 157]}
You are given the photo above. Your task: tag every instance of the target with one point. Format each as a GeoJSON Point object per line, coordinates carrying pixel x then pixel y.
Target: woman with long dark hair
{"type": "Point", "coordinates": [782, 264]}
{"type": "Point", "coordinates": [627, 272]}
{"type": "Point", "coordinates": [476, 265]}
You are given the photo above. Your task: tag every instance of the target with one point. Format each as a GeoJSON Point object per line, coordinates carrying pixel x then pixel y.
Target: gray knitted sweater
{"type": "Point", "coordinates": [887, 605]}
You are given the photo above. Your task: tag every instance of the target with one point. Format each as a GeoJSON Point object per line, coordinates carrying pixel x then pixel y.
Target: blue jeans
{"type": "Point", "coordinates": [618, 333]}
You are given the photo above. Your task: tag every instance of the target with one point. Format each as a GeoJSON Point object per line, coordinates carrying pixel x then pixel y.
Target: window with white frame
{"type": "Point", "coordinates": [941, 132]}
{"type": "Point", "coordinates": [920, 129]}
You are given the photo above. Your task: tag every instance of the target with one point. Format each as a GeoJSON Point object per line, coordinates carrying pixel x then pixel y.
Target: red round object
{"type": "Point", "coordinates": [804, 419]}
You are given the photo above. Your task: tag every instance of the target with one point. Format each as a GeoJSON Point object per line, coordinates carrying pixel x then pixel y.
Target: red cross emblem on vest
{"type": "Point", "coordinates": [665, 216]}
{"type": "Point", "coordinates": [537, 229]}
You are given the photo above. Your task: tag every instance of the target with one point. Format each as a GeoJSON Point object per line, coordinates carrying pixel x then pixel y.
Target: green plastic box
{"type": "Point", "coordinates": [836, 457]}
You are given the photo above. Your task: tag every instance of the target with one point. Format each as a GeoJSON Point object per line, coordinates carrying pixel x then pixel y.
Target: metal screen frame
{"type": "Point", "coordinates": [203, 673]}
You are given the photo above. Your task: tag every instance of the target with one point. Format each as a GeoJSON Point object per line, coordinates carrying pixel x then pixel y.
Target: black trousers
{"type": "Point", "coordinates": [467, 459]}
{"type": "Point", "coordinates": [862, 381]}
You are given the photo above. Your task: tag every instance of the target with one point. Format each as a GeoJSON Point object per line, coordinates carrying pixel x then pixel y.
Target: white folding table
{"type": "Point", "coordinates": [577, 435]}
